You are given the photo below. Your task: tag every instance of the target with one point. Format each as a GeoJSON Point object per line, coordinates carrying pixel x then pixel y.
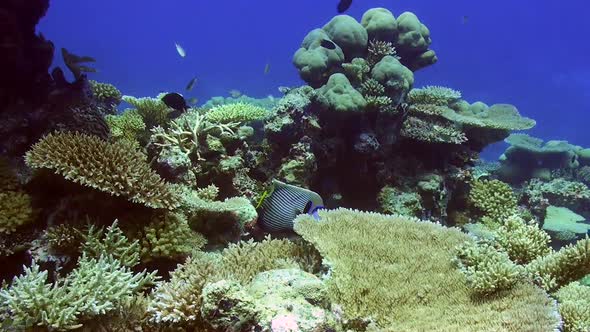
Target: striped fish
{"type": "Point", "coordinates": [284, 203]}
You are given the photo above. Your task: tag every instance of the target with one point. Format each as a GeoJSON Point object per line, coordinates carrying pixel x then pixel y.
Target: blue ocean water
{"type": "Point", "coordinates": [531, 54]}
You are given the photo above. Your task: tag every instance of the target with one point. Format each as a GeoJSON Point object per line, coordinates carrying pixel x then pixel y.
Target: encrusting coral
{"type": "Point", "coordinates": [116, 168]}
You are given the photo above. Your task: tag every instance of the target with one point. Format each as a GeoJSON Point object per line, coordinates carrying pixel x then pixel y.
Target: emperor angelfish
{"type": "Point", "coordinates": [285, 202]}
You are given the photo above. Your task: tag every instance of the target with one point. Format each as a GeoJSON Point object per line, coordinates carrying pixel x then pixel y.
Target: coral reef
{"type": "Point", "coordinates": [103, 200]}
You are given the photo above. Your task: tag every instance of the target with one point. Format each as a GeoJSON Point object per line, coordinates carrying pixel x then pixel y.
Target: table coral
{"type": "Point", "coordinates": [370, 252]}
{"type": "Point", "coordinates": [116, 168]}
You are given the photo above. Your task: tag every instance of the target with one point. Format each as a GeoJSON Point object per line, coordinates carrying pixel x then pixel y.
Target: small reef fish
{"type": "Point", "coordinates": [180, 50]}
{"type": "Point", "coordinates": [465, 19]}
{"type": "Point", "coordinates": [284, 89]}
{"type": "Point", "coordinates": [191, 84]}
{"type": "Point", "coordinates": [328, 44]}
{"type": "Point", "coordinates": [283, 202]}
{"type": "Point", "coordinates": [266, 68]}
{"type": "Point", "coordinates": [343, 6]}
{"type": "Point", "coordinates": [193, 101]}
{"type": "Point", "coordinates": [235, 93]}
{"type": "Point", "coordinates": [176, 102]}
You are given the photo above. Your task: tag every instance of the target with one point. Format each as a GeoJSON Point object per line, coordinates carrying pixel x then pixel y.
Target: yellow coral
{"type": "Point", "coordinates": [116, 168]}
{"type": "Point", "coordinates": [399, 272]}
{"type": "Point", "coordinates": [493, 198]}
{"type": "Point", "coordinates": [169, 236]}
{"type": "Point", "coordinates": [15, 210]}
{"type": "Point", "coordinates": [153, 110]}
{"type": "Point", "coordinates": [236, 113]}
{"type": "Point", "coordinates": [126, 126]}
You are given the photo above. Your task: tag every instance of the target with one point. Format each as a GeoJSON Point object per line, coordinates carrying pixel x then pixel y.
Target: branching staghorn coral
{"type": "Point", "coordinates": [153, 110]}
{"type": "Point", "coordinates": [522, 241]}
{"type": "Point", "coordinates": [95, 287]}
{"type": "Point", "coordinates": [494, 199]}
{"type": "Point", "coordinates": [169, 236]}
{"type": "Point", "coordinates": [116, 168]}
{"type": "Point", "coordinates": [559, 268]}
{"type": "Point", "coordinates": [574, 307]}
{"type": "Point", "coordinates": [487, 270]}
{"type": "Point", "coordinates": [106, 92]}
{"type": "Point", "coordinates": [378, 49]}
{"type": "Point", "coordinates": [112, 242]}
{"type": "Point", "coordinates": [370, 252]}
{"type": "Point", "coordinates": [126, 126]}
{"type": "Point", "coordinates": [187, 131]}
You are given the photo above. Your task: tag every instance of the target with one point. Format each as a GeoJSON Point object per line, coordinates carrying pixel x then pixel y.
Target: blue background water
{"type": "Point", "coordinates": [533, 54]}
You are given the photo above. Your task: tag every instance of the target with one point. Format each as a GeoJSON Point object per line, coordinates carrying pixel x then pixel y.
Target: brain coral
{"type": "Point", "coordinates": [116, 168]}
{"type": "Point", "coordinates": [399, 271]}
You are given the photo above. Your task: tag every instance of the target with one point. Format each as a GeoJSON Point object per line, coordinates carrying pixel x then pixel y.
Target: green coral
{"type": "Point", "coordinates": [503, 117]}
{"type": "Point", "coordinates": [487, 270]}
{"type": "Point", "coordinates": [339, 95]}
{"type": "Point", "coordinates": [394, 201]}
{"type": "Point", "coordinates": [559, 268]}
{"type": "Point", "coordinates": [116, 168]}
{"type": "Point", "coordinates": [433, 95]}
{"type": "Point", "coordinates": [114, 242]}
{"type": "Point", "coordinates": [236, 113]}
{"type": "Point", "coordinates": [95, 287]}
{"type": "Point", "coordinates": [106, 92]}
{"type": "Point", "coordinates": [126, 126]}
{"type": "Point", "coordinates": [493, 198]}
{"type": "Point", "coordinates": [574, 307]}
{"type": "Point", "coordinates": [169, 236]}
{"type": "Point", "coordinates": [153, 110]}
{"type": "Point", "coordinates": [379, 262]}
{"type": "Point", "coordinates": [522, 241]}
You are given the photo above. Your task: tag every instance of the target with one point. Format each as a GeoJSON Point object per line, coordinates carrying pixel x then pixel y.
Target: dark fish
{"type": "Point", "coordinates": [266, 68]}
{"type": "Point", "coordinates": [175, 101]}
{"type": "Point", "coordinates": [74, 63]}
{"type": "Point", "coordinates": [465, 19]}
{"type": "Point", "coordinates": [328, 44]}
{"type": "Point", "coordinates": [343, 5]}
{"type": "Point", "coordinates": [285, 202]}
{"type": "Point", "coordinates": [191, 84]}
